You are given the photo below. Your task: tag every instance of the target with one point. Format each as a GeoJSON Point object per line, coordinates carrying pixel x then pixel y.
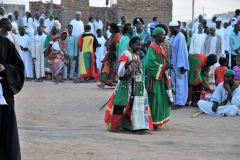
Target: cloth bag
{"type": "Point", "coordinates": [121, 96]}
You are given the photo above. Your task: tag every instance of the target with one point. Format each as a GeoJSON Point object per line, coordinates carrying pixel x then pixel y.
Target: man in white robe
{"type": "Point", "coordinates": [224, 35]}
{"type": "Point", "coordinates": [78, 27]}
{"type": "Point", "coordinates": [225, 100]}
{"type": "Point", "coordinates": [49, 21]}
{"type": "Point", "coordinates": [101, 49]}
{"type": "Point", "coordinates": [14, 24]}
{"type": "Point", "coordinates": [197, 41]}
{"type": "Point", "coordinates": [5, 30]}
{"type": "Point", "coordinates": [212, 45]}
{"type": "Point", "coordinates": [180, 63]}
{"type": "Point", "coordinates": [2, 13]}
{"type": "Point", "coordinates": [195, 25]}
{"type": "Point", "coordinates": [37, 54]}
{"type": "Point", "coordinates": [26, 47]}
{"type": "Point", "coordinates": [90, 23]}
{"type": "Point", "coordinates": [97, 23]}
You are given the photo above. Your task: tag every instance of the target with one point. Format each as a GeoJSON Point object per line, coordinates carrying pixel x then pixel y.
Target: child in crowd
{"type": "Point", "coordinates": [219, 71]}
{"type": "Point", "coordinates": [237, 69]}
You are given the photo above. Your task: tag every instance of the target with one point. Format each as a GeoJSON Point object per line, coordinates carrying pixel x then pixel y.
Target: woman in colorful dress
{"type": "Point", "coordinates": [108, 75]}
{"type": "Point", "coordinates": [58, 55]}
{"type": "Point", "coordinates": [128, 106]}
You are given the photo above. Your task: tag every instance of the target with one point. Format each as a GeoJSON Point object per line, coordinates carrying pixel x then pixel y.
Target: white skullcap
{"type": "Point", "coordinates": [200, 14]}
{"type": "Point", "coordinates": [41, 18]}
{"type": "Point", "coordinates": [78, 12]}
{"type": "Point", "coordinates": [10, 14]}
{"type": "Point", "coordinates": [173, 24]}
{"type": "Point", "coordinates": [28, 11]}
{"type": "Point", "coordinates": [3, 8]}
{"type": "Point", "coordinates": [218, 19]}
{"type": "Point", "coordinates": [233, 21]}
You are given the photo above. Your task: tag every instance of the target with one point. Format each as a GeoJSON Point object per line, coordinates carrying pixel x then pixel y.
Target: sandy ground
{"type": "Point", "coordinates": [63, 122]}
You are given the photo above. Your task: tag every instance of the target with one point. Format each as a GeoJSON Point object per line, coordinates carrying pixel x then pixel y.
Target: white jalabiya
{"type": "Point", "coordinates": [92, 27]}
{"type": "Point", "coordinates": [30, 24]}
{"type": "Point", "coordinates": [46, 29]}
{"type": "Point", "coordinates": [220, 94]}
{"type": "Point", "coordinates": [14, 40]}
{"type": "Point", "coordinates": [26, 42]}
{"type": "Point", "coordinates": [97, 25]}
{"type": "Point", "coordinates": [49, 23]}
{"type": "Point", "coordinates": [37, 52]}
{"type": "Point", "coordinates": [78, 27]}
{"type": "Point", "coordinates": [101, 51]}
{"type": "Point", "coordinates": [197, 43]}
{"type": "Point", "coordinates": [225, 38]}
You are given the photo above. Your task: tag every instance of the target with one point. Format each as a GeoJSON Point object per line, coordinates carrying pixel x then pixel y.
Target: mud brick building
{"type": "Point", "coordinates": [146, 9]}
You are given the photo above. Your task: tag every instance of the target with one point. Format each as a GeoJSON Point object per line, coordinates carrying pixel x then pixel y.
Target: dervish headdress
{"type": "Point", "coordinates": [229, 71]}
{"type": "Point", "coordinates": [157, 31]}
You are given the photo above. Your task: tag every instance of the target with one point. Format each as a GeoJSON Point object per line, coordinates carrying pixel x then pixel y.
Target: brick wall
{"type": "Point", "coordinates": [146, 9]}
{"type": "Point", "coordinates": [41, 7]}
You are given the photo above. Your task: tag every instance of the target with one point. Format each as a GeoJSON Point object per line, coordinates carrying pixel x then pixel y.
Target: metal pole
{"type": "Point", "coordinates": [51, 5]}
{"type": "Point", "coordinates": [203, 11]}
{"type": "Point", "coordinates": [192, 12]}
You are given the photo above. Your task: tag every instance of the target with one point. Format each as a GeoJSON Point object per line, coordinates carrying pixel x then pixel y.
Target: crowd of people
{"type": "Point", "coordinates": [154, 68]}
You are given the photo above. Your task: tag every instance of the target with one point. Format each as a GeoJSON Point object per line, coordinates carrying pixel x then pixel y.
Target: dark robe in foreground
{"type": "Point", "coordinates": [12, 83]}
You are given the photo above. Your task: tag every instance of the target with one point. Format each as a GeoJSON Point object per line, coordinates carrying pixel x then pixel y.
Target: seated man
{"type": "Point", "coordinates": [199, 65]}
{"type": "Point", "coordinates": [225, 100]}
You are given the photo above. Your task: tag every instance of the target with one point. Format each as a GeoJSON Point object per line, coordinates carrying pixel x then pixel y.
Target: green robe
{"type": "Point", "coordinates": [198, 72]}
{"type": "Point", "coordinates": [123, 44]}
{"type": "Point", "coordinates": [156, 84]}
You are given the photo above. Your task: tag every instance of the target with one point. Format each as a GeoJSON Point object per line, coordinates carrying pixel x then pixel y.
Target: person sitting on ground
{"type": "Point", "coordinates": [220, 70]}
{"type": "Point", "coordinates": [198, 75]}
{"type": "Point", "coordinates": [225, 100]}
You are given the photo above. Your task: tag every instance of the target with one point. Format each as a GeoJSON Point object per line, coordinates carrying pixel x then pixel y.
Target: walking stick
{"type": "Point", "coordinates": [104, 105]}
{"type": "Point", "coordinates": [197, 114]}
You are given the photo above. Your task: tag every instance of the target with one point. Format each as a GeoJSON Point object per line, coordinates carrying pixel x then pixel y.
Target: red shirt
{"type": "Point", "coordinates": [219, 72]}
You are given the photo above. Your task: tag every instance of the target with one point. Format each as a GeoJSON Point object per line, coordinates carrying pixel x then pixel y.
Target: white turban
{"type": "Point", "coordinates": [218, 19]}
{"type": "Point", "coordinates": [173, 24]}
{"type": "Point", "coordinates": [78, 12]}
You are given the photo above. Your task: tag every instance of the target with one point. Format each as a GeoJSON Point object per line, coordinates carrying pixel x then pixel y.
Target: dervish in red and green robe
{"type": "Point", "coordinates": [198, 73]}
{"type": "Point", "coordinates": [128, 106]}
{"type": "Point", "coordinates": [87, 44]}
{"type": "Point", "coordinates": [158, 85]}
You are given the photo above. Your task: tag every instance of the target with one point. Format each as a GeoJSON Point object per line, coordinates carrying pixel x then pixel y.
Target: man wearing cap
{"type": "Point", "coordinates": [78, 27]}
{"type": "Point", "coordinates": [197, 41]}
{"type": "Point", "coordinates": [14, 24]}
{"type": "Point", "coordinates": [17, 19]}
{"type": "Point", "coordinates": [224, 35]}
{"type": "Point", "coordinates": [50, 21]}
{"type": "Point", "coordinates": [225, 100]}
{"type": "Point", "coordinates": [158, 83]}
{"type": "Point", "coordinates": [2, 13]}
{"type": "Point", "coordinates": [153, 23]}
{"type": "Point", "coordinates": [180, 63]}
{"type": "Point", "coordinates": [195, 26]}
{"type": "Point", "coordinates": [205, 27]}
{"type": "Point", "coordinates": [148, 39]}
{"type": "Point", "coordinates": [123, 43]}
{"type": "Point", "coordinates": [26, 46]}
{"type": "Point", "coordinates": [235, 44]}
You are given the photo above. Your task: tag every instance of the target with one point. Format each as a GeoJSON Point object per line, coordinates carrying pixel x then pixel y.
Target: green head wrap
{"type": "Point", "coordinates": [204, 21]}
{"type": "Point", "coordinates": [157, 31]}
{"type": "Point", "coordinates": [229, 71]}
{"type": "Point", "coordinates": [51, 14]}
{"type": "Point", "coordinates": [21, 27]}
{"type": "Point", "coordinates": [54, 27]}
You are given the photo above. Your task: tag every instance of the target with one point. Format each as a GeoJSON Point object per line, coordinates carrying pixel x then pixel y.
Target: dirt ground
{"type": "Point", "coordinates": [63, 122]}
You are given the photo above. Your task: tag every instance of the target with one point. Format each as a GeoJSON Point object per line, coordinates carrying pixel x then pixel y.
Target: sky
{"type": "Point", "coordinates": [182, 9]}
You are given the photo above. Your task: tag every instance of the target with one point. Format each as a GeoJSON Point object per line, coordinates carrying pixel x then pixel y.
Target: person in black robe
{"type": "Point", "coordinates": [11, 80]}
